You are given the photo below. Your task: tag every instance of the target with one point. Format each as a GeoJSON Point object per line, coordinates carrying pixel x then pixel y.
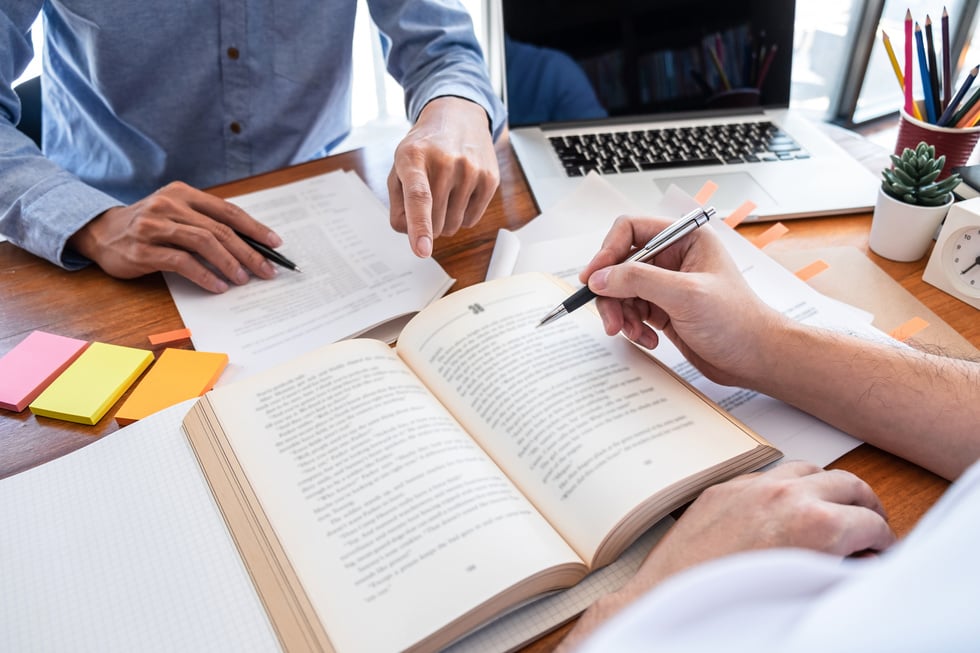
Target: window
{"type": "Point", "coordinates": [821, 39]}
{"type": "Point", "coordinates": [880, 93]}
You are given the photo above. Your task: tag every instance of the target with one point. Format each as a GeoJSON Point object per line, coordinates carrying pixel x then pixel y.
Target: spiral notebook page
{"type": "Point", "coordinates": [120, 546]}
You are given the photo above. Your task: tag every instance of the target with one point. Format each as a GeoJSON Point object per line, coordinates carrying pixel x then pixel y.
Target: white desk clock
{"type": "Point", "coordinates": [954, 265]}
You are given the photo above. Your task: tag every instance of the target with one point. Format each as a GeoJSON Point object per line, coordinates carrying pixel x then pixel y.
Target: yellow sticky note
{"type": "Point", "coordinates": [85, 391]}
{"type": "Point", "coordinates": [177, 375]}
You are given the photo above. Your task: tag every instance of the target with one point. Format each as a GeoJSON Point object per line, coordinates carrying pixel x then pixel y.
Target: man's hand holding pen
{"type": "Point", "coordinates": [657, 243]}
{"type": "Point", "coordinates": [183, 230]}
{"type": "Point", "coordinates": [692, 292]}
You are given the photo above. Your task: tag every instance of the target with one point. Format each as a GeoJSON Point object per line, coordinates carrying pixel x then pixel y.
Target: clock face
{"type": "Point", "coordinates": [961, 260]}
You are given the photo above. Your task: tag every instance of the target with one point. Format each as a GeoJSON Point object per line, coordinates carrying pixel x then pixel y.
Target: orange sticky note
{"type": "Point", "coordinates": [740, 214]}
{"type": "Point", "coordinates": [170, 336]}
{"type": "Point", "coordinates": [905, 331]}
{"type": "Point", "coordinates": [808, 272]}
{"type": "Point", "coordinates": [774, 232]}
{"type": "Point", "coordinates": [706, 192]}
{"type": "Point", "coordinates": [177, 375]}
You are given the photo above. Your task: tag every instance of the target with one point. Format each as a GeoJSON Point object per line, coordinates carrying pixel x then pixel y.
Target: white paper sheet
{"type": "Point", "coordinates": [357, 275]}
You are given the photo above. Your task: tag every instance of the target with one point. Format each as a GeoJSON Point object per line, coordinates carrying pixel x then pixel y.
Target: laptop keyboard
{"type": "Point", "coordinates": [651, 149]}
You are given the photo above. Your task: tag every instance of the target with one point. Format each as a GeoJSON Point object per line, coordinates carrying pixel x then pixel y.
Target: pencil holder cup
{"type": "Point", "coordinates": [956, 144]}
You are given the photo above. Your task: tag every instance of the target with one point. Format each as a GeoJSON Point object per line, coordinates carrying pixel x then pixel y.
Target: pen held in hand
{"type": "Point", "coordinates": [268, 252]}
{"type": "Point", "coordinates": [654, 246]}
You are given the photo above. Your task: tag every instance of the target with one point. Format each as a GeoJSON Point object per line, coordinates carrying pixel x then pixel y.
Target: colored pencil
{"type": "Point", "coordinates": [964, 109]}
{"type": "Point", "coordinates": [898, 70]}
{"type": "Point", "coordinates": [924, 73]}
{"type": "Point", "coordinates": [721, 71]}
{"type": "Point", "coordinates": [947, 64]}
{"type": "Point", "coordinates": [933, 68]}
{"type": "Point", "coordinates": [951, 109]}
{"type": "Point", "coordinates": [970, 118]}
{"type": "Point", "coordinates": [765, 66]}
{"type": "Point", "coordinates": [909, 101]}
{"type": "Point", "coordinates": [702, 82]}
{"type": "Point", "coordinates": [891, 57]}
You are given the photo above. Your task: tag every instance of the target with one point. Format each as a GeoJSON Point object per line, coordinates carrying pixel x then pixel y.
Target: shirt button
{"type": "Point", "coordinates": [235, 127]}
{"type": "Point", "coordinates": [233, 53]}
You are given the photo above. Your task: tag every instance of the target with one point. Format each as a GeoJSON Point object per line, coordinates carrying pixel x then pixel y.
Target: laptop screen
{"type": "Point", "coordinates": [575, 60]}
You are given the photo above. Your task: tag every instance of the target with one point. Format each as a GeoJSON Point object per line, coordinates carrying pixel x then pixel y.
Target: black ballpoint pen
{"type": "Point", "coordinates": [654, 246]}
{"type": "Point", "coordinates": [268, 252]}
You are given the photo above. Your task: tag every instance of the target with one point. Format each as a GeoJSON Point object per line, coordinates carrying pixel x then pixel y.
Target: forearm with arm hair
{"type": "Point", "coordinates": [920, 406]}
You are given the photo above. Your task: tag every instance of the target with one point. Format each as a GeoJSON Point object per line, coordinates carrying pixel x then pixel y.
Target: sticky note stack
{"type": "Point", "coordinates": [36, 361]}
{"type": "Point", "coordinates": [92, 384]}
{"type": "Point", "coordinates": [177, 375]}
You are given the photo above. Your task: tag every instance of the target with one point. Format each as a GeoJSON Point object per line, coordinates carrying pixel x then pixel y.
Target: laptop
{"type": "Point", "coordinates": [662, 92]}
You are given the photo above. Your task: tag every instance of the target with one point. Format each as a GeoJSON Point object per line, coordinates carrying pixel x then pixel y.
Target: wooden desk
{"type": "Point", "coordinates": [91, 306]}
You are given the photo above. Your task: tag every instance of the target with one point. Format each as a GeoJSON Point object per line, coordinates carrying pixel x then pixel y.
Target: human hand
{"type": "Point", "coordinates": [796, 504]}
{"type": "Point", "coordinates": [692, 291]}
{"type": "Point", "coordinates": [178, 229]}
{"type": "Point", "coordinates": [445, 172]}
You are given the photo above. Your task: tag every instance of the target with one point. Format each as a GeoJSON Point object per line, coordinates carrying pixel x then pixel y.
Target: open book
{"type": "Point", "coordinates": [386, 500]}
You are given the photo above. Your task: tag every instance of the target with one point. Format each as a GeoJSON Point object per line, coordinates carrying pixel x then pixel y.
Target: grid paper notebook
{"type": "Point", "coordinates": [120, 546]}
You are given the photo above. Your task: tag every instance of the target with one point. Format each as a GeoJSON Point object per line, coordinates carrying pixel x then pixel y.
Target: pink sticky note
{"type": "Point", "coordinates": [35, 362]}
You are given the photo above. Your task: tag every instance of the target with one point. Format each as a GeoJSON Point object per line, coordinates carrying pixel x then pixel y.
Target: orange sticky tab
{"type": "Point", "coordinates": [774, 232]}
{"type": "Point", "coordinates": [909, 329]}
{"type": "Point", "coordinates": [808, 272]}
{"type": "Point", "coordinates": [706, 192]}
{"type": "Point", "coordinates": [740, 214]}
{"type": "Point", "coordinates": [170, 336]}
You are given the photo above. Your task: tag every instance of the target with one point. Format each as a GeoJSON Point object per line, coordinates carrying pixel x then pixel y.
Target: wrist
{"type": "Point", "coordinates": [85, 241]}
{"type": "Point", "coordinates": [455, 104]}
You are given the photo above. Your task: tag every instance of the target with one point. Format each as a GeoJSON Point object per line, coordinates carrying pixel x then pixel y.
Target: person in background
{"type": "Point", "coordinates": [145, 104]}
{"type": "Point", "coordinates": [547, 85]}
{"type": "Point", "coordinates": [795, 558]}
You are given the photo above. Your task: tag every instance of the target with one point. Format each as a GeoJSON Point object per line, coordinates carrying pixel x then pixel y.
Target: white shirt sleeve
{"type": "Point", "coordinates": [922, 595]}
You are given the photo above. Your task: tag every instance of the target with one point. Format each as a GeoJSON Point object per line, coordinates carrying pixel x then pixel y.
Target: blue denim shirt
{"type": "Point", "coordinates": [138, 94]}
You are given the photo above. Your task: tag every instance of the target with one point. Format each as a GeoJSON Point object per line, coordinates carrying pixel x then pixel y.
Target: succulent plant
{"type": "Point", "coordinates": [912, 177]}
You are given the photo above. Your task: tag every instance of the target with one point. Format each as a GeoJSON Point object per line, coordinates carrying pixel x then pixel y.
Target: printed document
{"type": "Point", "coordinates": [359, 277]}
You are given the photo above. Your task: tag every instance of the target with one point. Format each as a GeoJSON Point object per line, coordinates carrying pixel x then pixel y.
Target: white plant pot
{"type": "Point", "coordinates": [903, 232]}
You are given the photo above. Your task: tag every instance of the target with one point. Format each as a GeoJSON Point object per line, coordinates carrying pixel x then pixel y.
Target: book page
{"type": "Point", "coordinates": [586, 425]}
{"type": "Point", "coordinates": [386, 509]}
{"type": "Point", "coordinates": [357, 274]}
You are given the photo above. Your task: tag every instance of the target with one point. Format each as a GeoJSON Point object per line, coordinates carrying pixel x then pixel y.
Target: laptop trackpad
{"type": "Point", "coordinates": [733, 188]}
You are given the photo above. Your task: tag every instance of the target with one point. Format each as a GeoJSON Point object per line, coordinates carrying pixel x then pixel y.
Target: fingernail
{"type": "Point", "coordinates": [274, 240]}
{"type": "Point", "coordinates": [423, 245]}
{"type": "Point", "coordinates": [241, 276]}
{"type": "Point", "coordinates": [220, 286]}
{"type": "Point", "coordinates": [599, 279]}
{"type": "Point", "coordinates": [269, 269]}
